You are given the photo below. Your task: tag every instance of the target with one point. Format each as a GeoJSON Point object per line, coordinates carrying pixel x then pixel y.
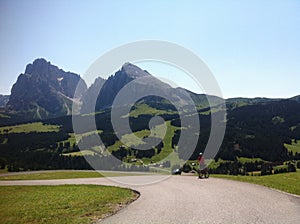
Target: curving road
{"type": "Point", "coordinates": [185, 199]}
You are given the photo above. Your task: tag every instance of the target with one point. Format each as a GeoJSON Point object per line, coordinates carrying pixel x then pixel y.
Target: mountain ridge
{"type": "Point", "coordinates": [46, 89]}
{"type": "Point", "coordinates": [123, 77]}
{"type": "Point", "coordinates": [4, 100]}
{"type": "Point", "coordinates": [49, 91]}
{"type": "Point", "coordinates": [255, 127]}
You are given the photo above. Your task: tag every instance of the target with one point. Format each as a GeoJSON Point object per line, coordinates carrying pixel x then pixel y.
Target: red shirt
{"type": "Point", "coordinates": [201, 160]}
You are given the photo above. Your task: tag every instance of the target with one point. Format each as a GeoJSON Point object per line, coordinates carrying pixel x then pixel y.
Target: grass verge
{"type": "Point", "coordinates": [61, 204]}
{"type": "Point", "coordinates": [3, 171]}
{"type": "Point", "coordinates": [52, 175]}
{"type": "Point", "coordinates": [288, 182]}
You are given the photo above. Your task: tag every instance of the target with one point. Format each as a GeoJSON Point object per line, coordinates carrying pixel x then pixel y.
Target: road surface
{"type": "Point", "coordinates": [186, 199]}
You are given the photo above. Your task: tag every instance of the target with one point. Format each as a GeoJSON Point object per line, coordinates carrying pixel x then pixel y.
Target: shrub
{"type": "Point", "coordinates": [298, 164]}
{"type": "Point", "coordinates": [266, 169]}
{"type": "Point", "coordinates": [281, 169]}
{"type": "Point", "coordinates": [186, 168]}
{"type": "Point", "coordinates": [291, 167]}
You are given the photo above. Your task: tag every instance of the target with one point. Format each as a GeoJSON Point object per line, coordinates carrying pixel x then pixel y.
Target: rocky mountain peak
{"type": "Point", "coordinates": [3, 100]}
{"type": "Point", "coordinates": [46, 89]}
{"type": "Point", "coordinates": [121, 78]}
{"type": "Point", "coordinates": [133, 71]}
{"type": "Point", "coordinates": [39, 66]}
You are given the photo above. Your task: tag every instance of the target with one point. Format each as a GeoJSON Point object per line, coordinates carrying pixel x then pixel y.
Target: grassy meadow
{"type": "Point", "coordinates": [52, 175]}
{"type": "Point", "coordinates": [146, 109]}
{"type": "Point", "coordinates": [294, 147]}
{"type": "Point", "coordinates": [55, 175]}
{"type": "Point", "coordinates": [288, 182]}
{"type": "Point", "coordinates": [61, 204]}
{"type": "Point", "coordinates": [29, 127]}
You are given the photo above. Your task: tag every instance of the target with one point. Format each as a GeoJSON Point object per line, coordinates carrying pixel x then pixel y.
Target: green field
{"type": "Point", "coordinates": [146, 109]}
{"type": "Point", "coordinates": [30, 127]}
{"type": "Point", "coordinates": [3, 171]}
{"type": "Point", "coordinates": [167, 151]}
{"type": "Point", "coordinates": [288, 182]}
{"type": "Point", "coordinates": [4, 116]}
{"type": "Point", "coordinates": [71, 139]}
{"type": "Point", "coordinates": [52, 175]}
{"type": "Point", "coordinates": [135, 139]}
{"type": "Point", "coordinates": [130, 138]}
{"type": "Point", "coordinates": [249, 160]}
{"type": "Point", "coordinates": [61, 204]}
{"type": "Point", "coordinates": [294, 147]}
{"type": "Point", "coordinates": [80, 153]}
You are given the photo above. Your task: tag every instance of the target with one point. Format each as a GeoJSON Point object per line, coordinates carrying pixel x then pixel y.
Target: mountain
{"type": "Point", "coordinates": [140, 83]}
{"type": "Point", "coordinates": [45, 90]}
{"type": "Point", "coordinates": [201, 100]}
{"type": "Point", "coordinates": [232, 103]}
{"type": "Point", "coordinates": [3, 100]}
{"type": "Point", "coordinates": [260, 130]}
{"type": "Point", "coordinates": [144, 82]}
{"type": "Point", "coordinates": [255, 128]}
{"type": "Point", "coordinates": [296, 98]}
{"type": "Point", "coordinates": [103, 92]}
{"type": "Point", "coordinates": [90, 96]}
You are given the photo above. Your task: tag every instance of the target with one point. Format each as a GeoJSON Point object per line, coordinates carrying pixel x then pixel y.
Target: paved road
{"type": "Point", "coordinates": [185, 199]}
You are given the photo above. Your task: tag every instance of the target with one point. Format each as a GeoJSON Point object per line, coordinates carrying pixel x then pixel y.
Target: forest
{"type": "Point", "coordinates": [260, 131]}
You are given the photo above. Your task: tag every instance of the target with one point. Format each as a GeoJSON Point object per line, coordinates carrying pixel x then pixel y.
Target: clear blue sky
{"type": "Point", "coordinates": [252, 47]}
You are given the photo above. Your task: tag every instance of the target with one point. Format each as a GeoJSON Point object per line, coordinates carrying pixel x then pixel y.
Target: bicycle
{"type": "Point", "coordinates": [203, 173]}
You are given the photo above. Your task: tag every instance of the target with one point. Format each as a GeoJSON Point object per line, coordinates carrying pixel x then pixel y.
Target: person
{"type": "Point", "coordinates": [202, 166]}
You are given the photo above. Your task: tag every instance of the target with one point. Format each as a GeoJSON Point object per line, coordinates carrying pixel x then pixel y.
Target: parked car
{"type": "Point", "coordinates": [176, 172]}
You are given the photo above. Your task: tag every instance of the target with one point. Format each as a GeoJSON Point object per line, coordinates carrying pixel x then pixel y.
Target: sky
{"type": "Point", "coordinates": [251, 47]}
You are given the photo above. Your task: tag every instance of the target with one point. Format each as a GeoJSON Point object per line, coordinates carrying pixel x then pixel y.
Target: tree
{"type": "Point", "coordinates": [266, 169]}
{"type": "Point", "coordinates": [291, 167]}
{"type": "Point", "coordinates": [159, 147]}
{"type": "Point", "coordinates": [186, 168]}
{"type": "Point", "coordinates": [145, 153]}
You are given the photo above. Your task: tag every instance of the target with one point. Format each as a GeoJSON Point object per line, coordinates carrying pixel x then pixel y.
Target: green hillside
{"type": "Point", "coordinates": [29, 127]}
{"type": "Point", "coordinates": [294, 147]}
{"type": "Point", "coordinates": [261, 128]}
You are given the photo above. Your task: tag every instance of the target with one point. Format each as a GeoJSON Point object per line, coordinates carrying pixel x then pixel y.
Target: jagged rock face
{"type": "Point", "coordinates": [296, 98]}
{"type": "Point", "coordinates": [3, 100]}
{"type": "Point", "coordinates": [102, 94]}
{"type": "Point", "coordinates": [44, 87]}
{"type": "Point", "coordinates": [90, 96]}
{"type": "Point", "coordinates": [128, 73]}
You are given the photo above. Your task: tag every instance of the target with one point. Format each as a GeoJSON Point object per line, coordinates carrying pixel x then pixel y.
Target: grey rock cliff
{"type": "Point", "coordinates": [45, 89]}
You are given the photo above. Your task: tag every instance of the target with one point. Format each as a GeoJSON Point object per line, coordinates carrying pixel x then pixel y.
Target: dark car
{"type": "Point", "coordinates": [176, 172]}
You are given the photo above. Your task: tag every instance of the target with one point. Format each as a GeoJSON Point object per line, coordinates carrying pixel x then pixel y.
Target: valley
{"type": "Point", "coordinates": [262, 128]}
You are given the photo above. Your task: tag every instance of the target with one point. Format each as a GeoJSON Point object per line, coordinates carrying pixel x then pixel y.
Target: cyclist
{"type": "Point", "coordinates": [202, 166]}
